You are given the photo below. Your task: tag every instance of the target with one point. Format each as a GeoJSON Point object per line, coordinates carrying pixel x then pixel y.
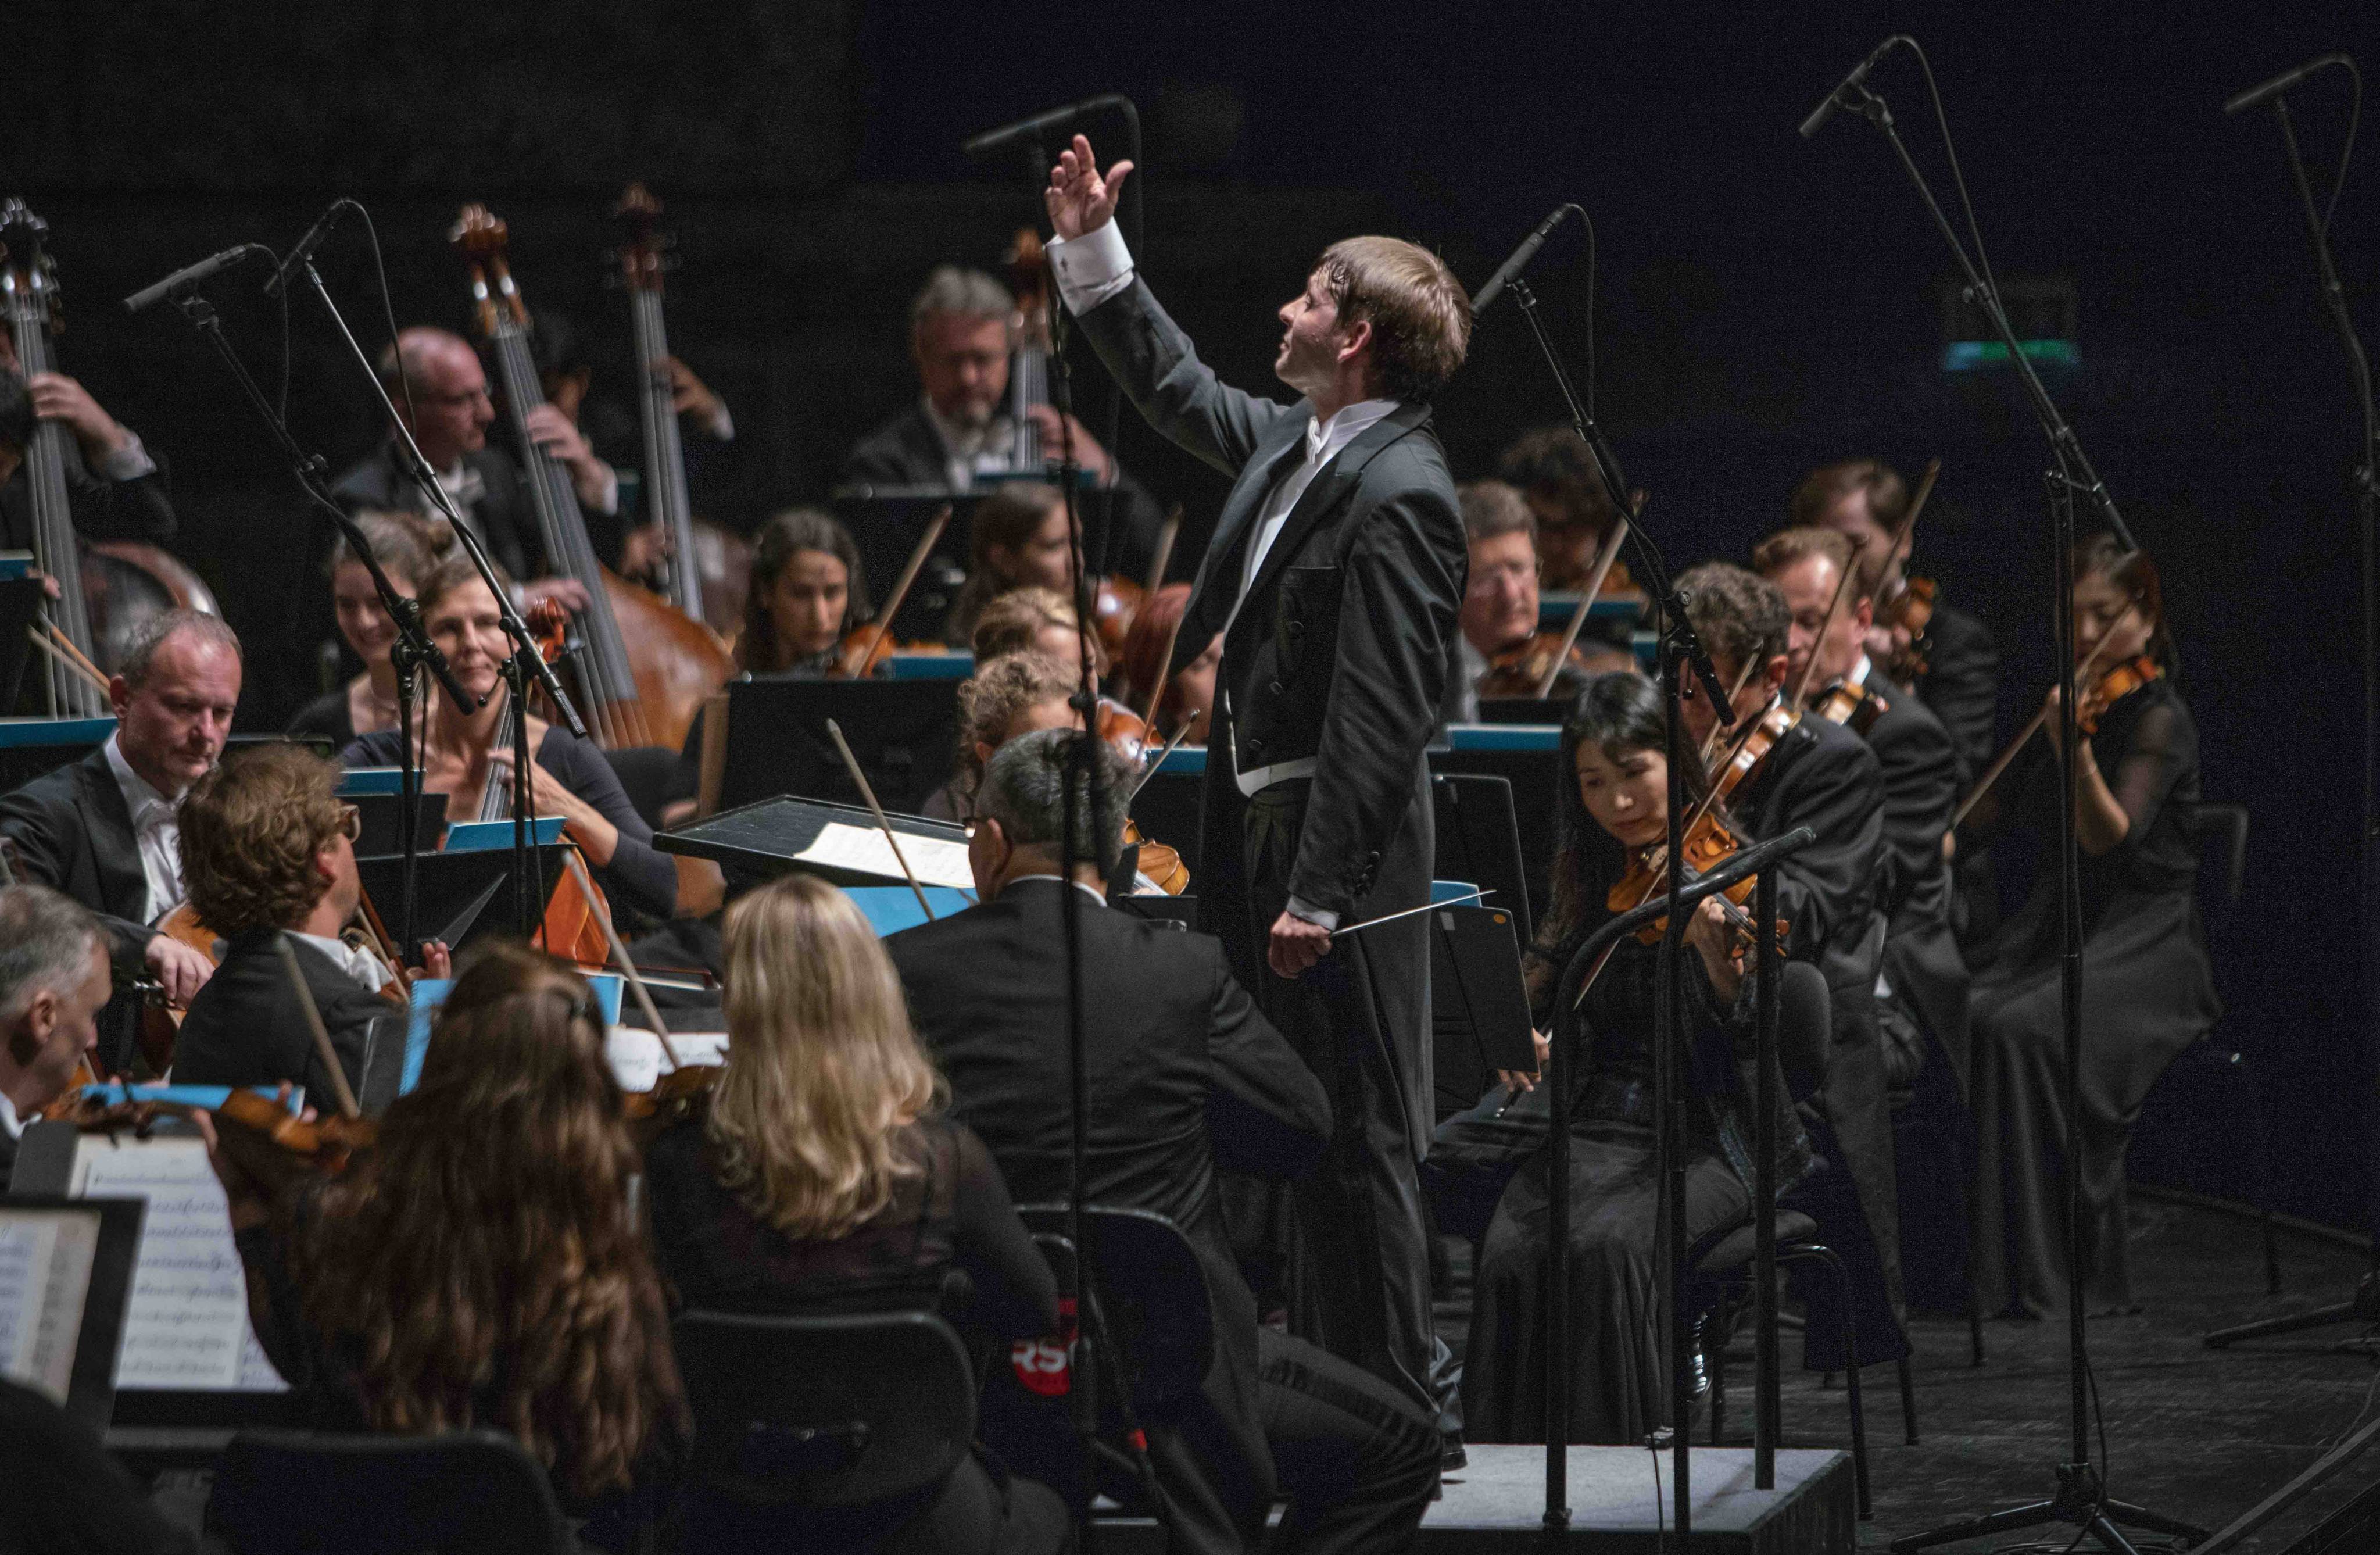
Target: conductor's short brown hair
{"type": "Point", "coordinates": [249, 830]}
{"type": "Point", "coordinates": [1419, 313]}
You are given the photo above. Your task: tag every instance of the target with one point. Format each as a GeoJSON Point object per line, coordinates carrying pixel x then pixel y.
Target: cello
{"type": "Point", "coordinates": [642, 668]}
{"type": "Point", "coordinates": [709, 570]}
{"type": "Point", "coordinates": [107, 588]}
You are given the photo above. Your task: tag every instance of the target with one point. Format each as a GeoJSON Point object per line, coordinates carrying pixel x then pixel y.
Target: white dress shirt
{"type": "Point", "coordinates": [989, 449]}
{"type": "Point", "coordinates": [363, 968]}
{"type": "Point", "coordinates": [156, 828]}
{"type": "Point", "coordinates": [9, 1125]}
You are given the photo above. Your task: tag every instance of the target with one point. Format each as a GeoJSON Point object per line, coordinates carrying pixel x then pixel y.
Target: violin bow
{"type": "Point", "coordinates": [603, 910]}
{"type": "Point", "coordinates": [1603, 560]}
{"type": "Point", "coordinates": [1424, 907]}
{"type": "Point", "coordinates": [883, 622]}
{"type": "Point", "coordinates": [1742, 678]}
{"type": "Point", "coordinates": [1834, 613]}
{"type": "Point", "coordinates": [322, 1049]}
{"type": "Point", "coordinates": [2000, 762]}
{"type": "Point", "coordinates": [64, 652]}
{"type": "Point", "coordinates": [850, 765]}
{"type": "Point", "coordinates": [1916, 506]}
{"type": "Point", "coordinates": [1165, 537]}
{"type": "Point", "coordinates": [1150, 771]}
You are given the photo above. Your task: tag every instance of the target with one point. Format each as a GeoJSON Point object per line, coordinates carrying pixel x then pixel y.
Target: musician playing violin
{"type": "Point", "coordinates": [1017, 539]}
{"type": "Point", "coordinates": [1919, 765]}
{"type": "Point", "coordinates": [54, 978]}
{"type": "Point", "coordinates": [269, 850]}
{"type": "Point", "coordinates": [1503, 653]}
{"type": "Point", "coordinates": [464, 757]}
{"type": "Point", "coordinates": [1823, 776]}
{"type": "Point", "coordinates": [2148, 991]}
{"type": "Point", "coordinates": [1558, 478]}
{"type": "Point", "coordinates": [1612, 812]}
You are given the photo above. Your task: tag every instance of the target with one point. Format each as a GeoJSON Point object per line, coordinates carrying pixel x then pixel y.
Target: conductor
{"type": "Point", "coordinates": [1335, 576]}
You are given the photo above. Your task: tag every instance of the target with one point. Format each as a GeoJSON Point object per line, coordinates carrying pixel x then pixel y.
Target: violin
{"type": "Point", "coordinates": [2112, 687]}
{"type": "Point", "coordinates": [1130, 733]}
{"type": "Point", "coordinates": [1118, 600]}
{"type": "Point", "coordinates": [680, 1094]}
{"type": "Point", "coordinates": [1518, 671]}
{"type": "Point", "coordinates": [642, 667]}
{"type": "Point", "coordinates": [1707, 844]}
{"type": "Point", "coordinates": [867, 646]}
{"type": "Point", "coordinates": [262, 1136]}
{"type": "Point", "coordinates": [1910, 612]}
{"type": "Point", "coordinates": [1855, 708]}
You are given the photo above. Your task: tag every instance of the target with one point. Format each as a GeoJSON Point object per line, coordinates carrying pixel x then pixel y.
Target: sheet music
{"type": "Point", "coordinates": [187, 1324]}
{"type": "Point", "coordinates": [45, 1259]}
{"type": "Point", "coordinates": [936, 860]}
{"type": "Point", "coordinates": [636, 1053]}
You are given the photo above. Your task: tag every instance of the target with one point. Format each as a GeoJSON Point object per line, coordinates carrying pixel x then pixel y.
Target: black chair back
{"type": "Point", "coordinates": [2222, 836]}
{"type": "Point", "coordinates": [824, 1411]}
{"type": "Point", "coordinates": [296, 1493]}
{"type": "Point", "coordinates": [1151, 1290]}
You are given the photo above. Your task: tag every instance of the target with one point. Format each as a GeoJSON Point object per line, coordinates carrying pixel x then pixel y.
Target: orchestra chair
{"type": "Point", "coordinates": [2211, 1079]}
{"type": "Point", "coordinates": [298, 1493]}
{"type": "Point", "coordinates": [846, 1432]}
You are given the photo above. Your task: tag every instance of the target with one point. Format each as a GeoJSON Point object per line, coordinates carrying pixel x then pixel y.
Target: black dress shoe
{"type": "Point", "coordinates": [1451, 1455]}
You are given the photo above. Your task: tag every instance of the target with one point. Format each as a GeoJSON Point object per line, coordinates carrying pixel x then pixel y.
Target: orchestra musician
{"type": "Point", "coordinates": [1186, 1077]}
{"type": "Point", "coordinates": [830, 1172]}
{"type": "Point", "coordinates": [1006, 698]}
{"type": "Point", "coordinates": [1614, 807]}
{"type": "Point", "coordinates": [53, 980]}
{"type": "Point", "coordinates": [1334, 576]}
{"type": "Point", "coordinates": [103, 830]}
{"type": "Point", "coordinates": [809, 592]}
{"type": "Point", "coordinates": [2148, 991]}
{"type": "Point", "coordinates": [1865, 500]}
{"type": "Point", "coordinates": [1017, 539]}
{"type": "Point", "coordinates": [268, 850]}
{"type": "Point", "coordinates": [1556, 477]}
{"type": "Point", "coordinates": [465, 757]}
{"type": "Point", "coordinates": [481, 1265]}
{"type": "Point", "coordinates": [1500, 604]}
{"type": "Point", "coordinates": [115, 488]}
{"type": "Point", "coordinates": [448, 411]}
{"type": "Point", "coordinates": [407, 546]}
{"type": "Point", "coordinates": [1189, 691]}
{"type": "Point", "coordinates": [1043, 620]}
{"type": "Point", "coordinates": [1920, 763]}
{"type": "Point", "coordinates": [1820, 775]}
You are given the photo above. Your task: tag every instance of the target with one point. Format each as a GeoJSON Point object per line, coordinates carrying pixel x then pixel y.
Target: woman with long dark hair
{"type": "Point", "coordinates": [808, 592]}
{"type": "Point", "coordinates": [1614, 807]}
{"type": "Point", "coordinates": [2148, 991]}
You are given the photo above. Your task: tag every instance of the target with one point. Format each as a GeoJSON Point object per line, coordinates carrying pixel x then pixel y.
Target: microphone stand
{"type": "Point", "coordinates": [2081, 1498]}
{"type": "Point", "coordinates": [2364, 1305]}
{"type": "Point", "coordinates": [1681, 650]}
{"type": "Point", "coordinates": [408, 655]}
{"type": "Point", "coordinates": [522, 668]}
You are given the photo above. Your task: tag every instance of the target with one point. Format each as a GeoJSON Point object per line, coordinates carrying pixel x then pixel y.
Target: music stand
{"type": "Point", "coordinates": [902, 733]}
{"type": "Point", "coordinates": [886, 522]}
{"type": "Point", "coordinates": [1478, 1003]}
{"type": "Point", "coordinates": [1479, 841]}
{"type": "Point", "coordinates": [463, 897]}
{"type": "Point", "coordinates": [381, 815]}
{"type": "Point", "coordinates": [1526, 757]}
{"type": "Point", "coordinates": [109, 1248]}
{"type": "Point", "coordinates": [841, 844]}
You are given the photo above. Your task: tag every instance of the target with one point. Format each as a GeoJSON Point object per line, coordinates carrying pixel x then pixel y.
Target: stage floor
{"type": "Point", "coordinates": [2195, 1433]}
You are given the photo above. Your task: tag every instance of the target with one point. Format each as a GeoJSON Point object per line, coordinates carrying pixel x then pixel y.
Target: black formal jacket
{"type": "Point", "coordinates": [1922, 786]}
{"type": "Point", "coordinates": [245, 1028]}
{"type": "Point", "coordinates": [1961, 684]}
{"type": "Point", "coordinates": [1184, 1076]}
{"type": "Point", "coordinates": [101, 508]}
{"type": "Point", "coordinates": [73, 833]}
{"type": "Point", "coordinates": [506, 513]}
{"type": "Point", "coordinates": [907, 451]}
{"type": "Point", "coordinates": [1823, 776]}
{"type": "Point", "coordinates": [1340, 650]}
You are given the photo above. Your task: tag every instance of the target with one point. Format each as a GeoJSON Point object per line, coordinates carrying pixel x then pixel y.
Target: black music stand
{"type": "Point", "coordinates": [1479, 841]}
{"type": "Point", "coordinates": [107, 1290]}
{"type": "Point", "coordinates": [783, 835]}
{"type": "Point", "coordinates": [886, 522]}
{"type": "Point", "coordinates": [465, 897]}
{"type": "Point", "coordinates": [1478, 1004]}
{"type": "Point", "coordinates": [1531, 769]}
{"type": "Point", "coordinates": [902, 734]}
{"type": "Point", "coordinates": [383, 818]}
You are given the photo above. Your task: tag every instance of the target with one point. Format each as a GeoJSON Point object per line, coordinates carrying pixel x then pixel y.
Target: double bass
{"type": "Point", "coordinates": [106, 588]}
{"type": "Point", "coordinates": [642, 667]}
{"type": "Point", "coordinates": [709, 570]}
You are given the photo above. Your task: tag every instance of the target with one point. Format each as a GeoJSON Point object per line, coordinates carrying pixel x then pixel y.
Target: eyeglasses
{"type": "Point", "coordinates": [351, 823]}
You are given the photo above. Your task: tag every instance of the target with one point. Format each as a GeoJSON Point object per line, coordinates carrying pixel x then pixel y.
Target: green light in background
{"type": "Point", "coordinates": [1966, 356]}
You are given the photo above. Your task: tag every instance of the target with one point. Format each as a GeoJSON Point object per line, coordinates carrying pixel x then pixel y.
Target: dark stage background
{"type": "Point", "coordinates": [1765, 304]}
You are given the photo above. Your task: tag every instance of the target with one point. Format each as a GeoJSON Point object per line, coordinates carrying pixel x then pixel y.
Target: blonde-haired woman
{"type": "Point", "coordinates": [825, 1178]}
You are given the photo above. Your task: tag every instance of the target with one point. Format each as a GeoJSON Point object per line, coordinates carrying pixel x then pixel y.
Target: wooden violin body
{"type": "Point", "coordinates": [1852, 707]}
{"type": "Point", "coordinates": [1910, 612]}
{"type": "Point", "coordinates": [2113, 688]}
{"type": "Point", "coordinates": [267, 1140]}
{"type": "Point", "coordinates": [1520, 670]}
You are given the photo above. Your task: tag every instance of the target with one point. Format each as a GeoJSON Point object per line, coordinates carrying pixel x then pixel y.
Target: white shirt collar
{"type": "Point", "coordinates": [138, 797]}
{"type": "Point", "coordinates": [995, 436]}
{"type": "Point", "coordinates": [1859, 670]}
{"type": "Point", "coordinates": [1096, 896]}
{"type": "Point", "coordinates": [8, 1123]}
{"type": "Point", "coordinates": [359, 964]}
{"type": "Point", "coordinates": [1324, 439]}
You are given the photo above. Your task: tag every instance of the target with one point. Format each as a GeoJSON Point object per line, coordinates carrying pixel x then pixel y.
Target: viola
{"type": "Point", "coordinates": [2113, 688]}
{"type": "Point", "coordinates": [106, 588]}
{"type": "Point", "coordinates": [643, 668]}
{"type": "Point", "coordinates": [707, 570]}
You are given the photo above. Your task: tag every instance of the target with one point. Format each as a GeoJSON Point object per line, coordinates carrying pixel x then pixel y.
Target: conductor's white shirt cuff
{"type": "Point", "coordinates": [1299, 907]}
{"type": "Point", "coordinates": [1091, 268]}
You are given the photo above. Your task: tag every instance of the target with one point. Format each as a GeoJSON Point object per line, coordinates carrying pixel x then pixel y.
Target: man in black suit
{"type": "Point", "coordinates": [957, 437]}
{"type": "Point", "coordinates": [269, 852]}
{"type": "Point", "coordinates": [103, 830]}
{"type": "Point", "coordinates": [1335, 578]}
{"type": "Point", "coordinates": [1184, 1076]}
{"type": "Point", "coordinates": [1823, 776]}
{"type": "Point", "coordinates": [53, 978]}
{"type": "Point", "coordinates": [116, 489]}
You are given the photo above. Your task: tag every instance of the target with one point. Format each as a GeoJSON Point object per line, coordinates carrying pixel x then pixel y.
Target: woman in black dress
{"type": "Point", "coordinates": [1616, 806]}
{"type": "Point", "coordinates": [823, 1178]}
{"type": "Point", "coordinates": [407, 546]}
{"type": "Point", "coordinates": [468, 758]}
{"type": "Point", "coordinates": [2148, 991]}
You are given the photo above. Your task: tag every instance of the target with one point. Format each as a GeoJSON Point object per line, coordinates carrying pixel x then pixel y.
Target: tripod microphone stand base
{"type": "Point", "coordinates": [2363, 1308]}
{"type": "Point", "coordinates": [2081, 1502]}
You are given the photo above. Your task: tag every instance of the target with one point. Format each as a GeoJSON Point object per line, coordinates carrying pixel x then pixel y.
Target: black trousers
{"type": "Point", "coordinates": [1355, 1458]}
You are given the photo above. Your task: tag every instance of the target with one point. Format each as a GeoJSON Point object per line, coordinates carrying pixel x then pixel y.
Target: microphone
{"type": "Point", "coordinates": [1025, 130]}
{"type": "Point", "coordinates": [2257, 96]}
{"type": "Point", "coordinates": [304, 251]}
{"type": "Point", "coordinates": [189, 276]}
{"type": "Point", "coordinates": [1834, 103]}
{"type": "Point", "coordinates": [1518, 262]}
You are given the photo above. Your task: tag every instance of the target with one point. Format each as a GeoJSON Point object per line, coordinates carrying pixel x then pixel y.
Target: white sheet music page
{"type": "Point", "coordinates": [187, 1324]}
{"type": "Point", "coordinates": [936, 860]}
{"type": "Point", "coordinates": [45, 1259]}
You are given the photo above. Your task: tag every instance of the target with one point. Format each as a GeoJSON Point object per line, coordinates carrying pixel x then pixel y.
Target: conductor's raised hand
{"type": "Point", "coordinates": [1080, 200]}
